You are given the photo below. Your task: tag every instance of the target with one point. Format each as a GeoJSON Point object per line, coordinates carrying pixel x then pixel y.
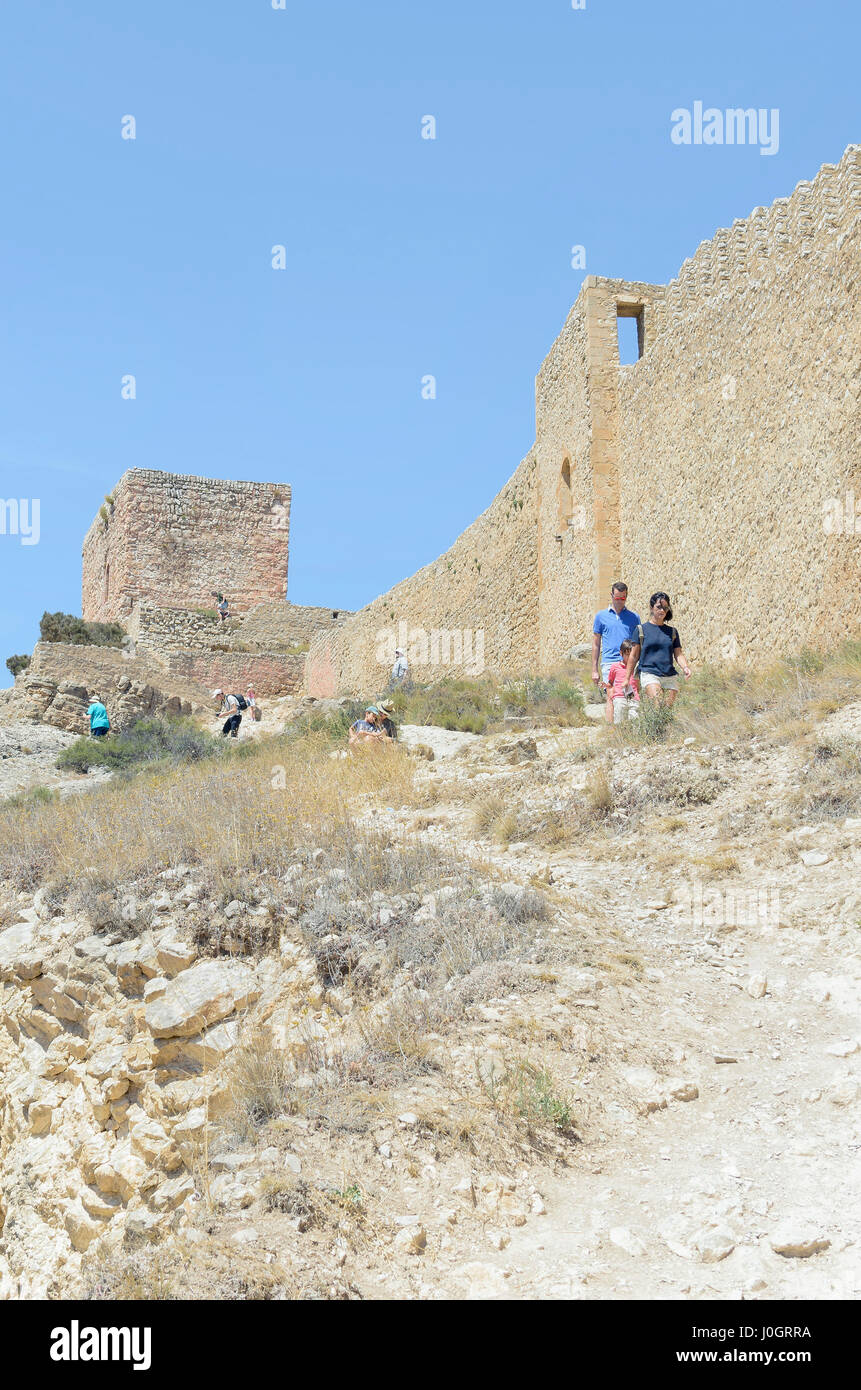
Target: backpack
{"type": "Point", "coordinates": [241, 701]}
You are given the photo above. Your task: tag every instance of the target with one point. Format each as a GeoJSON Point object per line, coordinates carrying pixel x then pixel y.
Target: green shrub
{"type": "Point", "coordinates": [328, 728]}
{"type": "Point", "coordinates": [527, 1090]}
{"type": "Point", "coordinates": [17, 664]}
{"type": "Point", "coordinates": [148, 741]}
{"type": "Point", "coordinates": [65, 627]}
{"type": "Point", "coordinates": [450, 704]}
{"type": "Point", "coordinates": [474, 705]}
{"type": "Point", "coordinates": [654, 722]}
{"type": "Point", "coordinates": [34, 796]}
{"type": "Point", "coordinates": [534, 691]}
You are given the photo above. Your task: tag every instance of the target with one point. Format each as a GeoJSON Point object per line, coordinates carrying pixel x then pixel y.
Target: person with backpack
{"type": "Point", "coordinates": [657, 647]}
{"type": "Point", "coordinates": [100, 724]}
{"type": "Point", "coordinates": [232, 706]}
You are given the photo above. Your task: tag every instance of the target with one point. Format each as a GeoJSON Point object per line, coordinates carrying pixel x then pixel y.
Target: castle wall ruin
{"type": "Point", "coordinates": [723, 466]}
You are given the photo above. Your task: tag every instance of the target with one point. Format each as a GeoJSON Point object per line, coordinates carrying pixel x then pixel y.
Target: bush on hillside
{"type": "Point", "coordinates": [65, 627]}
{"type": "Point", "coordinates": [147, 741]}
{"type": "Point", "coordinates": [450, 704]}
{"type": "Point", "coordinates": [474, 705]}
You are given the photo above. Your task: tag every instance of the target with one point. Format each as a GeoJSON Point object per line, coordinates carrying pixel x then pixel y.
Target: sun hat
{"type": "Point", "coordinates": [387, 708]}
{"type": "Point", "coordinates": [216, 693]}
{"type": "Point", "coordinates": [399, 651]}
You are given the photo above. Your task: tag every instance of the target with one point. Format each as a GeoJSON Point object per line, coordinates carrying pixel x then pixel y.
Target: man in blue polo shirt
{"type": "Point", "coordinates": [612, 626]}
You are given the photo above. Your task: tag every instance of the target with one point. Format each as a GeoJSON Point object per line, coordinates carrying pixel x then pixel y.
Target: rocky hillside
{"type": "Point", "coordinates": [551, 1014]}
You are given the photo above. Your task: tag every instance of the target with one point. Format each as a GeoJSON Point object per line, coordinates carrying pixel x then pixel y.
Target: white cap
{"type": "Point", "coordinates": [215, 693]}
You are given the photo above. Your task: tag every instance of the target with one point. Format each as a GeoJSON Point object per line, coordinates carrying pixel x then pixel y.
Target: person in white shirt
{"type": "Point", "coordinates": [228, 705]}
{"type": "Point", "coordinates": [400, 668]}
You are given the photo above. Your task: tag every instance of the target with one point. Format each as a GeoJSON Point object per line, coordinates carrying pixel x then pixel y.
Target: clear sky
{"type": "Point", "coordinates": [405, 257]}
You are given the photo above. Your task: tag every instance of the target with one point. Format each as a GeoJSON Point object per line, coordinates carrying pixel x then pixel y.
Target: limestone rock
{"type": "Point", "coordinates": [411, 1240]}
{"type": "Point", "coordinates": [98, 1205]}
{"type": "Point", "coordinates": [209, 1048]}
{"type": "Point", "coordinates": [152, 1143]}
{"type": "Point", "coordinates": [627, 1240]}
{"type": "Point", "coordinates": [40, 1114]}
{"type": "Point", "coordinates": [122, 1173]}
{"type": "Point", "coordinates": [20, 955]}
{"type": "Point", "coordinates": [106, 1060]}
{"type": "Point", "coordinates": [798, 1239]}
{"type": "Point", "coordinates": [83, 1229]}
{"type": "Point", "coordinates": [175, 956]}
{"type": "Point", "coordinates": [684, 1090]}
{"type": "Point", "coordinates": [142, 1226]}
{"type": "Point", "coordinates": [713, 1244]}
{"type": "Point", "coordinates": [173, 1192]}
{"type": "Point", "coordinates": [204, 994]}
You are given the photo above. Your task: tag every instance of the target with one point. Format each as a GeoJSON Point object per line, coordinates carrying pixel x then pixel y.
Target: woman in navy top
{"type": "Point", "coordinates": [657, 647]}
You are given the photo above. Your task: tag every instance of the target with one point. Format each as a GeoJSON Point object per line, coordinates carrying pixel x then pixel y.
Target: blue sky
{"type": "Point", "coordinates": [405, 257]}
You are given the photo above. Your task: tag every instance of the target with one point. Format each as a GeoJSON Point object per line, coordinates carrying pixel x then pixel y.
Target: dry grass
{"type": "Point", "coordinates": [717, 863]}
{"type": "Point", "coordinates": [780, 701]}
{"type": "Point", "coordinates": [492, 816]}
{"type": "Point", "coordinates": [504, 828]}
{"type": "Point", "coordinates": [598, 795]}
{"type": "Point", "coordinates": [254, 814]}
{"type": "Point", "coordinates": [830, 787]}
{"type": "Point", "coordinates": [487, 810]}
{"type": "Point", "coordinates": [183, 1270]}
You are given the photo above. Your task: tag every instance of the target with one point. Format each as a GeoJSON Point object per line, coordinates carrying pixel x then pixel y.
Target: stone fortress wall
{"type": "Point", "coordinates": [265, 648]}
{"type": "Point", "coordinates": [173, 539]}
{"type": "Point", "coordinates": [706, 468]}
{"type": "Point", "coordinates": [743, 420]}
{"type": "Point", "coordinates": [486, 582]}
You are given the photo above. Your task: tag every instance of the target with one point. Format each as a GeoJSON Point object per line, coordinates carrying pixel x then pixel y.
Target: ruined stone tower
{"type": "Point", "coordinates": [172, 539]}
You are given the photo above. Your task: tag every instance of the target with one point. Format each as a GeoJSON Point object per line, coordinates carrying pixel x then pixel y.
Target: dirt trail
{"type": "Point", "coordinates": [772, 1138]}
{"type": "Point", "coordinates": [687, 1197]}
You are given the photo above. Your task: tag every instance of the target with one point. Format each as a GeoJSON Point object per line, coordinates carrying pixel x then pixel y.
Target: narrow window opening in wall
{"type": "Point", "coordinates": [564, 504]}
{"type": "Point", "coordinates": [335, 615]}
{"type": "Point", "coordinates": [107, 581]}
{"type": "Point", "coordinates": [631, 329]}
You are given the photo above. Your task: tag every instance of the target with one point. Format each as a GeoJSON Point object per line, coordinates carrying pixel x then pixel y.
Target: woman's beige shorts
{"type": "Point", "coordinates": [665, 682]}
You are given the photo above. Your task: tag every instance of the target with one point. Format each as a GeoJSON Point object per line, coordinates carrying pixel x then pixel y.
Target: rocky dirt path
{"type": "Point", "coordinates": [691, 1200]}
{"type": "Point", "coordinates": [720, 1121]}
{"type": "Point", "coordinates": [28, 752]}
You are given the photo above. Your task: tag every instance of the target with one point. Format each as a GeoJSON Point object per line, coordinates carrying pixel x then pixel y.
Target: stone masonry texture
{"type": "Point", "coordinates": [723, 467]}
{"type": "Point", "coordinates": [173, 539]}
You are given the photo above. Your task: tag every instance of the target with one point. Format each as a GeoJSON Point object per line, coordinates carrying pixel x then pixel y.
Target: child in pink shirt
{"type": "Point", "coordinates": [617, 682]}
